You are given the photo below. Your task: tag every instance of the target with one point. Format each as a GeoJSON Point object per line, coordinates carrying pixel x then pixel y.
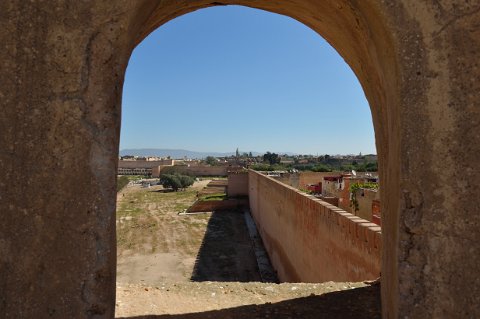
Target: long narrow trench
{"type": "Point", "coordinates": [205, 266]}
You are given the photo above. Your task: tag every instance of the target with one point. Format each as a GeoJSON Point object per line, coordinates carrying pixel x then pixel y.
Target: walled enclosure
{"type": "Point", "coordinates": [309, 240]}
{"type": "Point", "coordinates": [237, 184]}
{"type": "Point", "coordinates": [63, 64]}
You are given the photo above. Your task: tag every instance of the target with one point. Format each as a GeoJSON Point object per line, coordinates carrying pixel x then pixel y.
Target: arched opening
{"type": "Point", "coordinates": [62, 73]}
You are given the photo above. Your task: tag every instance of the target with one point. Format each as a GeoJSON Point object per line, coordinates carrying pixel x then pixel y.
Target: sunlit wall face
{"type": "Point", "coordinates": [233, 77]}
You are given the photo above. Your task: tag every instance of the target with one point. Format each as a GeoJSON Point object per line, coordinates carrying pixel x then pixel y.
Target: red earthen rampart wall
{"type": "Point", "coordinates": [199, 170]}
{"type": "Point", "coordinates": [309, 240]}
{"type": "Point", "coordinates": [237, 184]}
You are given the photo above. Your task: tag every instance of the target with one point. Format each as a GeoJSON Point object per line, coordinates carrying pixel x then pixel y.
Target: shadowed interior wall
{"type": "Point", "coordinates": [309, 240]}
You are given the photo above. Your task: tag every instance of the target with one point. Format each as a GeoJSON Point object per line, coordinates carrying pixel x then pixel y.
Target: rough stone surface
{"type": "Point", "coordinates": [63, 64]}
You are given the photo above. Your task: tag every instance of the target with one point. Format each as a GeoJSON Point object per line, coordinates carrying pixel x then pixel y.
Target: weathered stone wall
{"type": "Point", "coordinates": [309, 240]}
{"type": "Point", "coordinates": [62, 68]}
{"type": "Point", "coordinates": [237, 184]}
{"type": "Point", "coordinates": [63, 64]}
{"type": "Point", "coordinates": [290, 179]}
{"type": "Point", "coordinates": [198, 170]}
{"type": "Point", "coordinates": [365, 198]}
{"type": "Point", "coordinates": [306, 178]}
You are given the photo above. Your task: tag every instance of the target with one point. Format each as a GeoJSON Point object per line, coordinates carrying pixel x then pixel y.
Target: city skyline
{"type": "Point", "coordinates": [154, 152]}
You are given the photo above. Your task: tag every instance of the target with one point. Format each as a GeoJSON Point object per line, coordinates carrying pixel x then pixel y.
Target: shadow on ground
{"type": "Point", "coordinates": [163, 190]}
{"type": "Point", "coordinates": [226, 253]}
{"type": "Point", "coordinates": [359, 303]}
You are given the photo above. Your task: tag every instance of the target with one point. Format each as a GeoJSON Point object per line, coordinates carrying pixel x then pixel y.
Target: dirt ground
{"type": "Point", "coordinates": [200, 300]}
{"type": "Point", "coordinates": [203, 266]}
{"type": "Point", "coordinates": [154, 243]}
{"type": "Point", "coordinates": [226, 253]}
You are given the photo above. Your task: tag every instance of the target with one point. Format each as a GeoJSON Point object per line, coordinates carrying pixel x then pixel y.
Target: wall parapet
{"type": "Point", "coordinates": [309, 239]}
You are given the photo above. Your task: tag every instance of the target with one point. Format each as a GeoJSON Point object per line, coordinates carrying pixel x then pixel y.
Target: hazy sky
{"type": "Point", "coordinates": [227, 77]}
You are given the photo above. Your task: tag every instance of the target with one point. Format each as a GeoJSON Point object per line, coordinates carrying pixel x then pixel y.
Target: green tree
{"type": "Point", "coordinates": [210, 160]}
{"type": "Point", "coordinates": [186, 181]}
{"type": "Point", "coordinates": [271, 158]}
{"type": "Point", "coordinates": [171, 181]}
{"type": "Point", "coordinates": [321, 168]}
{"type": "Point", "coordinates": [176, 181]}
{"type": "Point", "coordinates": [371, 167]}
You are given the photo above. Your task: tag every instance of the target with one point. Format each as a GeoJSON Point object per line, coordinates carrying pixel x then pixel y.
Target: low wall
{"type": "Point", "coordinates": [309, 240]}
{"type": "Point", "coordinates": [237, 184]}
{"type": "Point", "coordinates": [217, 205]}
{"type": "Point", "coordinates": [215, 186]}
{"type": "Point", "coordinates": [199, 170]}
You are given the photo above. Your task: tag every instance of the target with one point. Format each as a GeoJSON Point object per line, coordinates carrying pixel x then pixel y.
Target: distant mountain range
{"type": "Point", "coordinates": [160, 152]}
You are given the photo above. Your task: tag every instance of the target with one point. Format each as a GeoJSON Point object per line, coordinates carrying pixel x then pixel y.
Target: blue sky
{"type": "Point", "coordinates": [227, 77]}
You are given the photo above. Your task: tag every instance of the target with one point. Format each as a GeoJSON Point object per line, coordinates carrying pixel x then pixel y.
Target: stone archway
{"type": "Point", "coordinates": [62, 74]}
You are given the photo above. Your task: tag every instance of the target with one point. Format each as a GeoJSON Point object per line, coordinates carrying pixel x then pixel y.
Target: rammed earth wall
{"type": "Point", "coordinates": [310, 240]}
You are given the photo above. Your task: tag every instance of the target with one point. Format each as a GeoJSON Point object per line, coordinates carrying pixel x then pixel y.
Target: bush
{"type": "Point", "coordinates": [186, 180]}
{"type": "Point", "coordinates": [271, 158]}
{"type": "Point", "coordinates": [176, 181]}
{"type": "Point", "coordinates": [353, 192]}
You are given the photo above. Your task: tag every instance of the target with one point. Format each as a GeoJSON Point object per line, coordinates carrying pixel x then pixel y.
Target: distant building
{"type": "Point", "coordinates": [368, 200]}
{"type": "Point", "coordinates": [140, 167]}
